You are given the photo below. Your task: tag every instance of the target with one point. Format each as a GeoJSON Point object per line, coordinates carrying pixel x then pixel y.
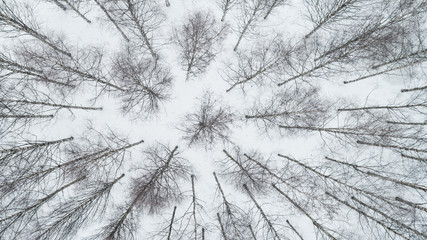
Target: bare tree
{"type": "Point", "coordinates": [251, 12]}
{"type": "Point", "coordinates": [74, 5]}
{"type": "Point", "coordinates": [239, 170]}
{"type": "Point", "coordinates": [40, 106]}
{"type": "Point", "coordinates": [266, 60]}
{"type": "Point", "coordinates": [315, 223]}
{"type": "Point", "coordinates": [271, 231]}
{"type": "Point", "coordinates": [12, 226]}
{"type": "Point", "coordinates": [370, 217]}
{"type": "Point", "coordinates": [18, 19]}
{"type": "Point", "coordinates": [157, 186]}
{"type": "Point", "coordinates": [198, 40]}
{"type": "Point", "coordinates": [140, 18]}
{"type": "Point", "coordinates": [291, 106]}
{"type": "Point", "coordinates": [325, 13]}
{"type": "Point", "coordinates": [87, 64]}
{"type": "Point", "coordinates": [374, 38]}
{"type": "Point", "coordinates": [273, 4]}
{"type": "Point", "coordinates": [111, 19]}
{"type": "Point", "coordinates": [208, 124]}
{"type": "Point", "coordinates": [190, 224]}
{"type": "Point", "coordinates": [145, 82]}
{"type": "Point", "coordinates": [30, 154]}
{"type": "Point", "coordinates": [226, 5]}
{"type": "Point", "coordinates": [301, 186]}
{"type": "Point", "coordinates": [330, 181]}
{"type": "Point", "coordinates": [232, 219]}
{"type": "Point", "coordinates": [98, 157]}
{"type": "Point", "coordinates": [68, 217]}
{"type": "Point", "coordinates": [21, 73]}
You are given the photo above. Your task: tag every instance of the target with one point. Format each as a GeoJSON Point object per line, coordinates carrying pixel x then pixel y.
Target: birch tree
{"type": "Point", "coordinates": [145, 82]}
{"type": "Point", "coordinates": [18, 19]}
{"type": "Point", "coordinates": [198, 40]}
{"type": "Point", "coordinates": [140, 19]}
{"type": "Point", "coordinates": [157, 186]}
{"type": "Point", "coordinates": [209, 124]}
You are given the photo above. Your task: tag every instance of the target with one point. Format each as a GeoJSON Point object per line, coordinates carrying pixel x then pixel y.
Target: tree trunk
{"type": "Point", "coordinates": [357, 168]}
{"type": "Point", "coordinates": [36, 145]}
{"type": "Point", "coordinates": [141, 30]}
{"type": "Point", "coordinates": [112, 20]}
{"type": "Point", "coordinates": [388, 217]}
{"type": "Point", "coordinates": [294, 230]}
{"type": "Point", "coordinates": [399, 59]}
{"type": "Point", "coordinates": [193, 202]}
{"type": "Point", "coordinates": [40, 202]}
{"type": "Point", "coordinates": [414, 158]}
{"type": "Point", "coordinates": [22, 116]}
{"type": "Point", "coordinates": [390, 146]}
{"type": "Point", "coordinates": [367, 216]}
{"type": "Point", "coordinates": [226, 8]}
{"type": "Point", "coordinates": [252, 232]}
{"type": "Point", "coordinates": [414, 89]}
{"type": "Point", "coordinates": [262, 212]}
{"type": "Point", "coordinates": [239, 165]}
{"type": "Point", "coordinates": [412, 185]}
{"type": "Point", "coordinates": [51, 104]}
{"type": "Point", "coordinates": [315, 223]}
{"type": "Point", "coordinates": [171, 224]}
{"type": "Point", "coordinates": [340, 182]}
{"type": "Point", "coordinates": [90, 76]}
{"type": "Point", "coordinates": [417, 206]}
{"type": "Point", "coordinates": [328, 17]}
{"type": "Point", "coordinates": [385, 71]}
{"type": "Point", "coordinates": [60, 5]}
{"type": "Point", "coordinates": [222, 227]}
{"type": "Point", "coordinates": [271, 9]}
{"type": "Point", "coordinates": [348, 131]}
{"type": "Point", "coordinates": [77, 11]}
{"type": "Point", "coordinates": [141, 193]}
{"type": "Point", "coordinates": [408, 123]}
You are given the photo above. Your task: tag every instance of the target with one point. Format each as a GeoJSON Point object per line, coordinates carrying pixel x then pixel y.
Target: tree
{"type": "Point", "coordinates": [273, 4]}
{"type": "Point", "coordinates": [74, 5]}
{"type": "Point", "coordinates": [315, 223]}
{"type": "Point", "coordinates": [14, 71]}
{"type": "Point", "coordinates": [264, 61]}
{"type": "Point", "coordinates": [373, 38]}
{"type": "Point", "coordinates": [362, 213]}
{"type": "Point", "coordinates": [198, 39]}
{"type": "Point", "coordinates": [96, 157]}
{"type": "Point", "coordinates": [325, 13]}
{"type": "Point", "coordinates": [251, 13]}
{"type": "Point", "coordinates": [14, 224]}
{"type": "Point", "coordinates": [155, 188]}
{"type": "Point", "coordinates": [111, 19]}
{"type": "Point", "coordinates": [233, 220]}
{"type": "Point", "coordinates": [271, 231]}
{"type": "Point", "coordinates": [146, 83]}
{"type": "Point", "coordinates": [19, 20]}
{"type": "Point", "coordinates": [208, 124]}
{"type": "Point", "coordinates": [139, 18]}
{"type": "Point", "coordinates": [226, 5]}
{"type": "Point", "coordinates": [240, 171]}
{"type": "Point", "coordinates": [68, 217]}
{"type": "Point", "coordinates": [290, 106]}
{"type": "Point", "coordinates": [87, 64]}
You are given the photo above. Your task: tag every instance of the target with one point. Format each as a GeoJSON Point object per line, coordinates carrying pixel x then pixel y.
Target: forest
{"type": "Point", "coordinates": [213, 119]}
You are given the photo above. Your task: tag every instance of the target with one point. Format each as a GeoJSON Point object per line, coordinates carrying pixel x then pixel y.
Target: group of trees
{"type": "Point", "coordinates": [372, 171]}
